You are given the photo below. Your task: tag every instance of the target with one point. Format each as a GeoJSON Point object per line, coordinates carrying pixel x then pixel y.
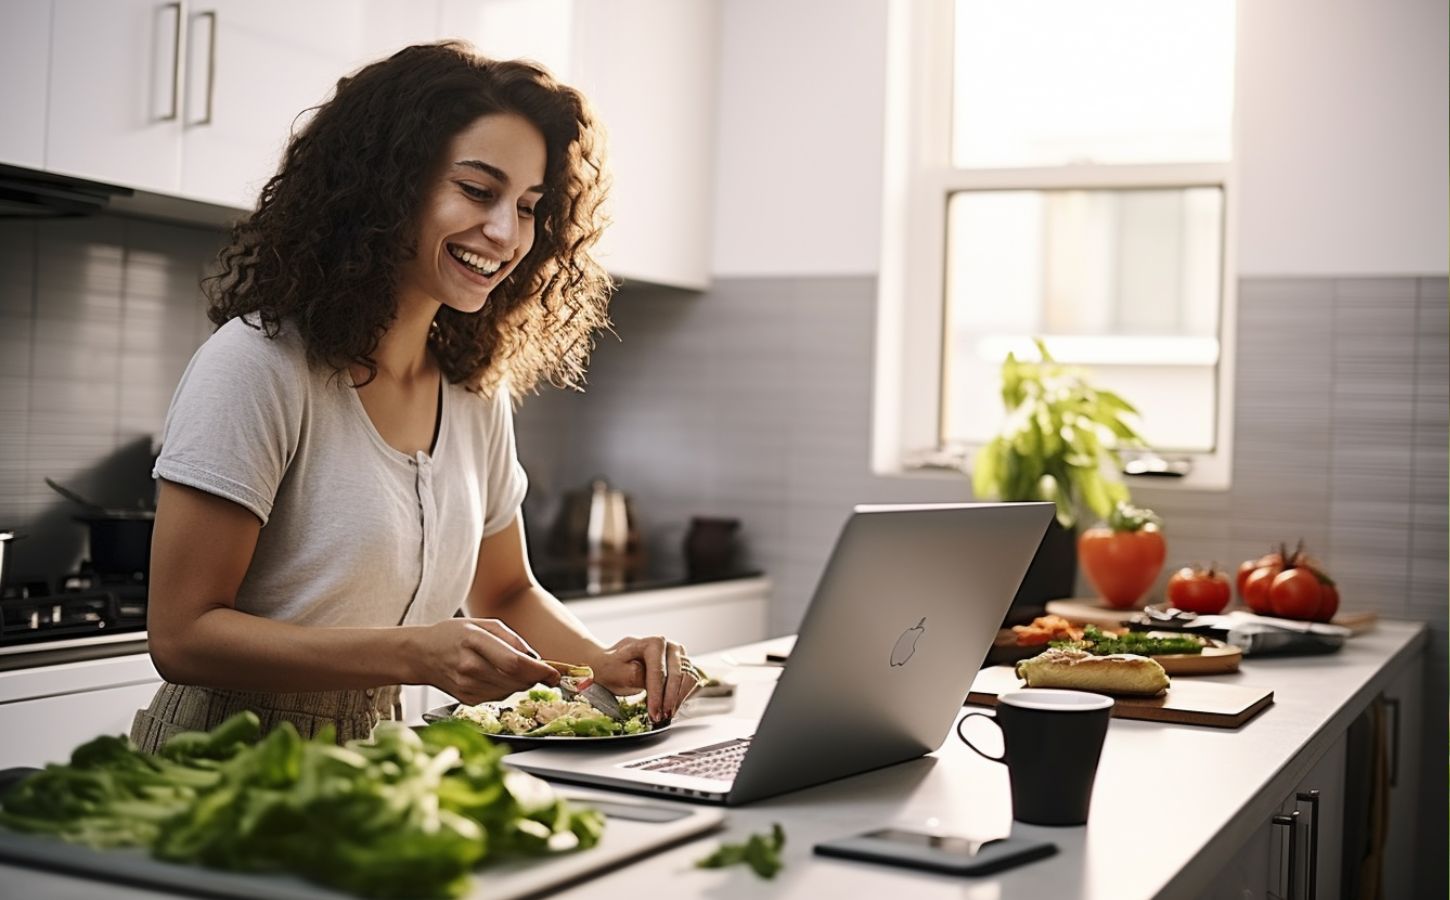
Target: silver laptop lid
{"type": "Point", "coordinates": [901, 620]}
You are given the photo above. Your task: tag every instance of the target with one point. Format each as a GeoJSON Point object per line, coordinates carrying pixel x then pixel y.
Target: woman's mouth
{"type": "Point", "coordinates": [482, 268]}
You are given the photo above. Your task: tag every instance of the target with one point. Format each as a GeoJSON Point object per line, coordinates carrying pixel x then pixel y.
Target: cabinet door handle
{"type": "Point", "coordinates": [1291, 822]}
{"type": "Point", "coordinates": [210, 16]}
{"type": "Point", "coordinates": [175, 65]}
{"type": "Point", "coordinates": [1312, 798]}
{"type": "Point", "coordinates": [1394, 705]}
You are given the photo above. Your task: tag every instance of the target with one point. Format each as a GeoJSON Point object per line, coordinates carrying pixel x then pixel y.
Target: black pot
{"type": "Point", "coordinates": [1052, 575]}
{"type": "Point", "coordinates": [121, 542]}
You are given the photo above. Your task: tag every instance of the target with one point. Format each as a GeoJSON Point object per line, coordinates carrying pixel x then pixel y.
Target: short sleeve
{"type": "Point", "coordinates": [234, 421]}
{"type": "Point", "coordinates": [507, 481]}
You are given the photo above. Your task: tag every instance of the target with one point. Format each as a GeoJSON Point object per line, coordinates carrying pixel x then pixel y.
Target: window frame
{"type": "Point", "coordinates": [918, 179]}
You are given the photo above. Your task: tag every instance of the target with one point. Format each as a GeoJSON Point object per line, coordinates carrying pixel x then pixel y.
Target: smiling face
{"type": "Point", "coordinates": [477, 219]}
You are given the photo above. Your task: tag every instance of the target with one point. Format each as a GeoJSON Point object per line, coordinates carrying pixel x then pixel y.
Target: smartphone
{"type": "Point", "coordinates": [946, 853]}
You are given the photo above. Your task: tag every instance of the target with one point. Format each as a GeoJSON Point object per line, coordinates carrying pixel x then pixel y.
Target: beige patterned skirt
{"type": "Point", "coordinates": [177, 708]}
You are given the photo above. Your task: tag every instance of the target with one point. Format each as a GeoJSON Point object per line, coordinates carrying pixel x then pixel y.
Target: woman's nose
{"type": "Point", "coordinates": [502, 228]}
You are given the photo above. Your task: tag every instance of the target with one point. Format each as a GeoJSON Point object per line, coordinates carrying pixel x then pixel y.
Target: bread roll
{"type": "Point", "coordinates": [1079, 670]}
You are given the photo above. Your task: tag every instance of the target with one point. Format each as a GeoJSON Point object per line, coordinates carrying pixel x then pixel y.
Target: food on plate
{"type": "Point", "coordinates": [1122, 557]}
{"type": "Point", "coordinates": [570, 670]}
{"type": "Point", "coordinates": [1079, 670]}
{"type": "Point", "coordinates": [1290, 586]}
{"type": "Point", "coordinates": [400, 814]}
{"type": "Point", "coordinates": [1199, 590]}
{"type": "Point", "coordinates": [1101, 643]}
{"type": "Point", "coordinates": [1045, 629]}
{"type": "Point", "coordinates": [543, 712]}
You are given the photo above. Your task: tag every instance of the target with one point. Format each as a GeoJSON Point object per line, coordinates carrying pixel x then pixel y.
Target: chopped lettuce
{"type": "Point", "coordinates": [402, 814]}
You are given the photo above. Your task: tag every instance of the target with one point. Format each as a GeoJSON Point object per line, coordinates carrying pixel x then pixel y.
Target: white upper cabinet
{"type": "Point", "coordinates": [648, 67]}
{"type": "Point", "coordinates": [115, 101]}
{"type": "Point", "coordinates": [198, 98]}
{"type": "Point", "coordinates": [24, 55]}
{"type": "Point", "coordinates": [252, 69]}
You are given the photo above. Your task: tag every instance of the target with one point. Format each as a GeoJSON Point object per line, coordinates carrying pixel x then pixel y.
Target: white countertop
{"type": "Point", "coordinates": [1123, 852]}
{"type": "Point", "coordinates": [1234, 778]}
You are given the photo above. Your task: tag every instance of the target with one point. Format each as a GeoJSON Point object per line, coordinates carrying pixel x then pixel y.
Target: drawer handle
{"type": "Point", "coordinates": [175, 64]}
{"type": "Point", "coordinates": [210, 16]}
{"type": "Point", "coordinates": [1312, 798]}
{"type": "Point", "coordinates": [1393, 703]}
{"type": "Point", "coordinates": [1291, 822]}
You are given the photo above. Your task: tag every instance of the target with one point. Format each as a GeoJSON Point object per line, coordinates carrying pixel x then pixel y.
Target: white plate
{"type": "Point", "coordinates": [445, 713]}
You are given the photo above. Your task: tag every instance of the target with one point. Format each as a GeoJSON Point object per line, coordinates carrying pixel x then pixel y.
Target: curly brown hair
{"type": "Point", "coordinates": [324, 248]}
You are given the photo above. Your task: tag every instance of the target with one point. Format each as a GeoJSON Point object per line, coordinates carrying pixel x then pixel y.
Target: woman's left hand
{"type": "Point", "coordinates": [657, 665]}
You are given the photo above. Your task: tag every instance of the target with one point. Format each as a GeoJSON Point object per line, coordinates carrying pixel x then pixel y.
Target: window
{"type": "Point", "coordinates": [1062, 170]}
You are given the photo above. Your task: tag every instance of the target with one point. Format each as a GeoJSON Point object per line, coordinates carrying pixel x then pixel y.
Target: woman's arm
{"type": "Point", "coordinates": [200, 551]}
{"type": "Point", "coordinates": [504, 587]}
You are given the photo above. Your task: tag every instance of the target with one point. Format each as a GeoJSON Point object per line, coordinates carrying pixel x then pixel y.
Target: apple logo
{"type": "Point", "coordinates": [906, 644]}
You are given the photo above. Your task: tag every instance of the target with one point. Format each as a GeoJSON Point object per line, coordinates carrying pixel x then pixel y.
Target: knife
{"type": "Point", "coordinates": [595, 695]}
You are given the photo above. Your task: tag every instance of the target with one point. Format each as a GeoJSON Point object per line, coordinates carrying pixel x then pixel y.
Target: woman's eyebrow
{"type": "Point", "coordinates": [496, 172]}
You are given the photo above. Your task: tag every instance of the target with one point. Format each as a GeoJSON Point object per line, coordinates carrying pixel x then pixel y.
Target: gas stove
{"type": "Point", "coordinates": [80, 605]}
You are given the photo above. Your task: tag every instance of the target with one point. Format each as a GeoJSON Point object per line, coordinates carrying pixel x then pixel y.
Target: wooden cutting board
{"type": "Point", "coordinates": [1187, 702]}
{"type": "Point", "coordinates": [1092, 611]}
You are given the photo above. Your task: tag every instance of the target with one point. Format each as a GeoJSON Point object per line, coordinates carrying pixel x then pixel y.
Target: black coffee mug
{"type": "Point", "coordinates": [1051, 741]}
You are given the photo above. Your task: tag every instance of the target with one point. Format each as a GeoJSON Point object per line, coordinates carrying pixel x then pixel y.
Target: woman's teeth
{"type": "Point", "coordinates": [477, 263]}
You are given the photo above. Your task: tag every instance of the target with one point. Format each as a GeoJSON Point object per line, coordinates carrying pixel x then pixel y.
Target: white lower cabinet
{"type": "Point", "coordinates": [46, 712]}
{"type": "Point", "coordinates": [1296, 853]}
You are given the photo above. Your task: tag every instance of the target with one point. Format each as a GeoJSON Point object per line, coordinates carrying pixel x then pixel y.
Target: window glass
{"type": "Point", "coordinates": [1126, 282]}
{"type": "Point", "coordinates": [1051, 82]}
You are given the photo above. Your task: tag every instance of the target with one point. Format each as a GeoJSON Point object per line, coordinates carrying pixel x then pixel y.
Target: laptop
{"type": "Point", "coordinates": [900, 622]}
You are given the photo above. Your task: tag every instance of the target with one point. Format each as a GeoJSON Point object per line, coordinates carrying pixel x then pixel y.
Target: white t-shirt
{"type": "Point", "coordinates": [354, 531]}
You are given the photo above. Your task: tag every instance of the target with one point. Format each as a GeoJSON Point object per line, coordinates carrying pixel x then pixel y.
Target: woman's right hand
{"type": "Point", "coordinates": [478, 659]}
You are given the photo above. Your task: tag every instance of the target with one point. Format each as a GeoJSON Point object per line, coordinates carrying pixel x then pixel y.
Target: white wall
{"type": "Point", "coordinates": [798, 175]}
{"type": "Point", "coordinates": [1342, 137]}
{"type": "Point", "coordinates": [1342, 148]}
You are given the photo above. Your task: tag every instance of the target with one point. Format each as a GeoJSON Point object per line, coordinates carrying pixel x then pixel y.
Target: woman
{"type": "Point", "coordinates": [338, 473]}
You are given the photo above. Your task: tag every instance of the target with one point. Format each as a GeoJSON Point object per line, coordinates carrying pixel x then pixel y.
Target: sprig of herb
{"type": "Point", "coordinates": [1098, 643]}
{"type": "Point", "coordinates": [760, 851]}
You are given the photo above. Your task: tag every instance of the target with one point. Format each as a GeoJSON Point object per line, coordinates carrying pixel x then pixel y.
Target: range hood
{"type": "Point", "coordinates": [29, 194]}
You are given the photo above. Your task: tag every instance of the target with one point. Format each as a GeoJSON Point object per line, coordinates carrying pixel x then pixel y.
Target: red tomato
{"type": "Point", "coordinates": [1121, 565]}
{"type": "Point", "coordinates": [1295, 594]}
{"type": "Point", "coordinates": [1199, 590]}
{"type": "Point", "coordinates": [1256, 589]}
{"type": "Point", "coordinates": [1329, 600]}
{"type": "Point", "coordinates": [1246, 568]}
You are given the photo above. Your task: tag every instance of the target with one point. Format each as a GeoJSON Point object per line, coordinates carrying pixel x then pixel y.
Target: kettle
{"type": "Point", "coordinates": [596, 527]}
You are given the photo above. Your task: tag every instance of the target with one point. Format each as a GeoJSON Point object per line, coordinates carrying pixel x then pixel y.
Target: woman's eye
{"type": "Point", "coordinates": [528, 211]}
{"type": "Point", "coordinates": [476, 193]}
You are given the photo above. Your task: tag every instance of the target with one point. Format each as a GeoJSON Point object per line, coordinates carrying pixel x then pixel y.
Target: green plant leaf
{"type": "Point", "coordinates": [985, 478]}
{"type": "Point", "coordinates": [1095, 493]}
{"type": "Point", "coordinates": [1111, 400]}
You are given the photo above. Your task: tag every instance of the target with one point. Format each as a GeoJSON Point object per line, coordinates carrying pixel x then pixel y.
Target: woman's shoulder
{"type": "Point", "coordinates": [245, 346]}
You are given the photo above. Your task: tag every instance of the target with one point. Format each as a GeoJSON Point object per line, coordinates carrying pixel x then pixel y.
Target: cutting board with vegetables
{"type": "Point", "coordinates": [634, 829]}
{"type": "Point", "coordinates": [1187, 701]}
{"type": "Point", "coordinates": [1090, 610]}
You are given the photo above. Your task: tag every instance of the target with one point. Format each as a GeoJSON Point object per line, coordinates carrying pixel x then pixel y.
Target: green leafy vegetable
{"type": "Point", "coordinates": [401, 814]}
{"type": "Point", "coordinates": [760, 851]}
{"type": "Point", "coordinates": [1098, 643]}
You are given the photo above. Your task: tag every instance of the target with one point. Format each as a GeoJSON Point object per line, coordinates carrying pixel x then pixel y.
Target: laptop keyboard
{"type": "Point", "coordinates": [716, 761]}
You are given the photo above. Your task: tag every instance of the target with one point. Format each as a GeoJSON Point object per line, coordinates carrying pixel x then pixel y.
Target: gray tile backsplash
{"type": "Point", "coordinates": [753, 400]}
{"type": "Point", "coordinates": [98, 317]}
